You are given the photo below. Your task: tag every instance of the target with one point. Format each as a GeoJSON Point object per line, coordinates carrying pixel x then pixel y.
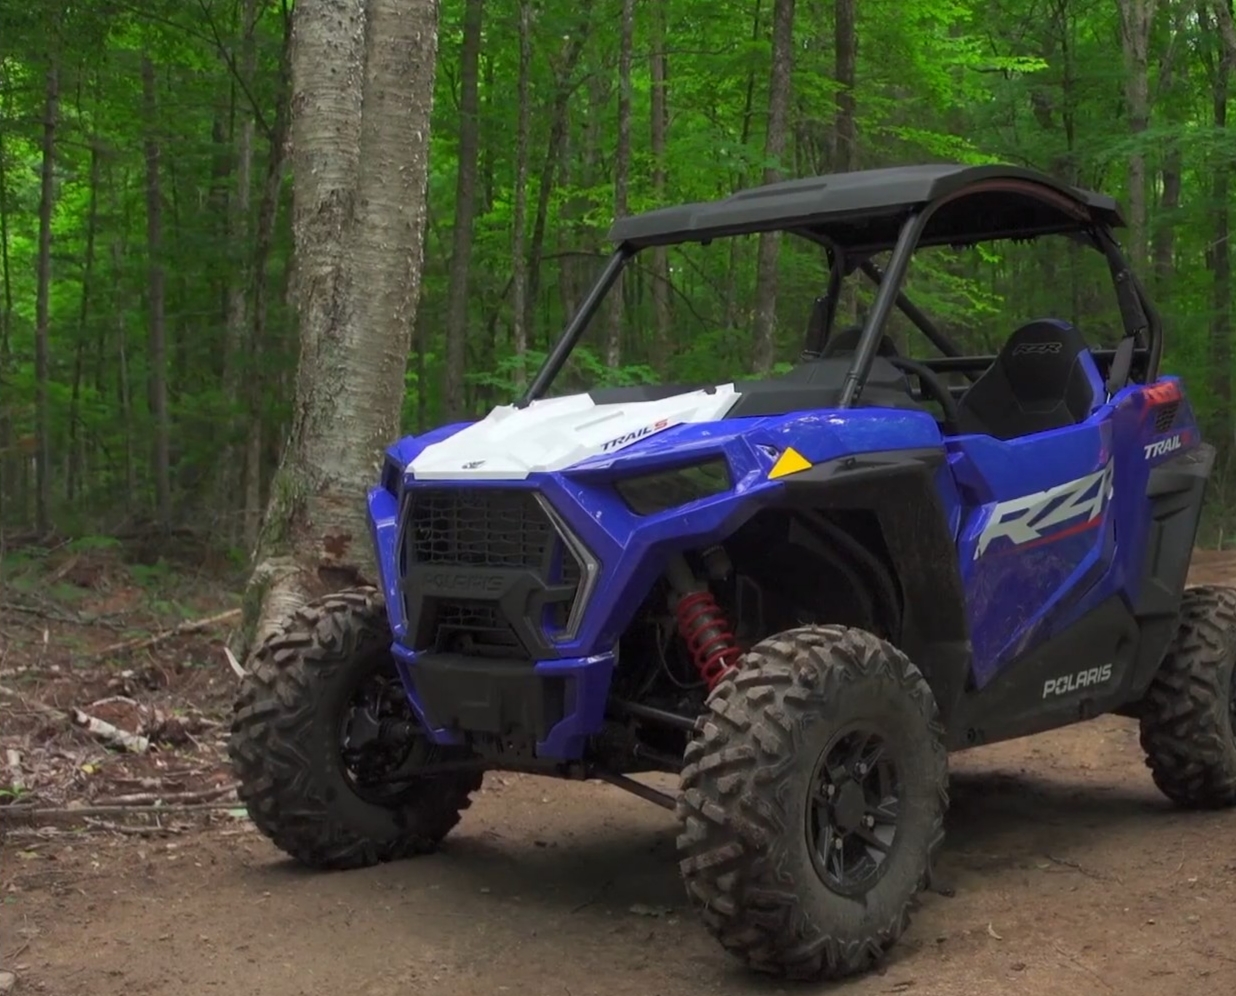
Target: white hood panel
{"type": "Point", "coordinates": [510, 443]}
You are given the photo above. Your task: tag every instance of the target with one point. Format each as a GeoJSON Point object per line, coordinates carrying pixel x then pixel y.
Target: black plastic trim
{"type": "Point", "coordinates": [1015, 703]}
{"type": "Point", "coordinates": [1175, 491]}
{"type": "Point", "coordinates": [478, 695]}
{"type": "Point", "coordinates": [899, 488]}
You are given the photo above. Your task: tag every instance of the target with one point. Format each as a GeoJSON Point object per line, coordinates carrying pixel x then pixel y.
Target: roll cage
{"type": "Point", "coordinates": [856, 216]}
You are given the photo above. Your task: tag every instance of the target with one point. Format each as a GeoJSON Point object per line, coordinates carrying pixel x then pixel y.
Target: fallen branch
{"type": "Point", "coordinates": [32, 704]}
{"type": "Point", "coordinates": [192, 626]}
{"type": "Point", "coordinates": [12, 760]}
{"type": "Point", "coordinates": [29, 813]}
{"type": "Point", "coordinates": [234, 664]}
{"type": "Point", "coordinates": [155, 799]}
{"type": "Point", "coordinates": [108, 733]}
{"type": "Point", "coordinates": [121, 828]}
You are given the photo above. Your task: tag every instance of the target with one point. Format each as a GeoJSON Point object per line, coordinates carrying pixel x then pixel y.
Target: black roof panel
{"type": "Point", "coordinates": [863, 211]}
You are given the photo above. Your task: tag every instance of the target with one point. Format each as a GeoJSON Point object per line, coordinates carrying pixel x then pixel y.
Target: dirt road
{"type": "Point", "coordinates": [1072, 875]}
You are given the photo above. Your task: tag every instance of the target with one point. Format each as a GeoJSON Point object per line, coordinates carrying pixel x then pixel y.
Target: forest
{"type": "Point", "coordinates": [148, 325]}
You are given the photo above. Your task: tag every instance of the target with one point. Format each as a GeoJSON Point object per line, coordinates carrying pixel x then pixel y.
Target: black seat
{"type": "Point", "coordinates": [1044, 378]}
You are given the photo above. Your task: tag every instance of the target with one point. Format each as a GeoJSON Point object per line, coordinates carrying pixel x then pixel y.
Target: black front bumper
{"type": "Point", "coordinates": [502, 698]}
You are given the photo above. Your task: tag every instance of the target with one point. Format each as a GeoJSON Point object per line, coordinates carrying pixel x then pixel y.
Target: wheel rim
{"type": "Point", "coordinates": [853, 811]}
{"type": "Point", "coordinates": [379, 746]}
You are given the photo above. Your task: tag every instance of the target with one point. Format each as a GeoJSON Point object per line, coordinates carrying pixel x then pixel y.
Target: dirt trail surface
{"type": "Point", "coordinates": [1071, 875]}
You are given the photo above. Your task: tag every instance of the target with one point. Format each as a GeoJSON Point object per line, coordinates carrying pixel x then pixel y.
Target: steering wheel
{"type": "Point", "coordinates": [930, 383]}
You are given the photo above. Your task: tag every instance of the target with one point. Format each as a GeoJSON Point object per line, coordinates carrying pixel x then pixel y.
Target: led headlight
{"type": "Point", "coordinates": [662, 490]}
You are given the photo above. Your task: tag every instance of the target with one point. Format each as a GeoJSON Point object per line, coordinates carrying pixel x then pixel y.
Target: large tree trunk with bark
{"type": "Point", "coordinates": [774, 149]}
{"type": "Point", "coordinates": [358, 221]}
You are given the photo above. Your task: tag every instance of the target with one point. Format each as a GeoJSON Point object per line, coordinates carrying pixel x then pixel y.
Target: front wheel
{"type": "Point", "coordinates": [1188, 715]}
{"type": "Point", "coordinates": [330, 764]}
{"type": "Point", "coordinates": [813, 802]}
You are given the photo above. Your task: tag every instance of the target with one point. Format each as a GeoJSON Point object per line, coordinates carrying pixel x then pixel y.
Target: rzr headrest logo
{"type": "Point", "coordinates": [1037, 348]}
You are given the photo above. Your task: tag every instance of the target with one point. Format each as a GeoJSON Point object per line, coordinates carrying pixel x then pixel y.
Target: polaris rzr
{"type": "Point", "coordinates": [796, 593]}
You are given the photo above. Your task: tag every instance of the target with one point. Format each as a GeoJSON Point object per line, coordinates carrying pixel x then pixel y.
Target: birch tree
{"type": "Point", "coordinates": [362, 93]}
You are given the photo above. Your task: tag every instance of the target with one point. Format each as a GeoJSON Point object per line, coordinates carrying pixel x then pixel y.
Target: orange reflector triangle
{"type": "Point", "coordinates": [790, 462]}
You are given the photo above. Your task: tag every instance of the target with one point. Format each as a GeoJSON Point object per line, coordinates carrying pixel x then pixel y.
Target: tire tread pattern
{"type": "Point", "coordinates": [736, 787]}
{"type": "Point", "coordinates": [1186, 725]}
{"type": "Point", "coordinates": [275, 752]}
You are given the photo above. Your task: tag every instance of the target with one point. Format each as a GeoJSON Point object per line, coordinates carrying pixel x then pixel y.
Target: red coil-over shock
{"type": "Point", "coordinates": [703, 627]}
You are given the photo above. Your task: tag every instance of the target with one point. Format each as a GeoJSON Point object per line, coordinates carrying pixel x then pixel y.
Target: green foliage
{"type": "Point", "coordinates": [936, 79]}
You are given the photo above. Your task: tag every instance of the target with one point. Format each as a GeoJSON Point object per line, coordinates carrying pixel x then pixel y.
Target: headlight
{"type": "Point", "coordinates": [662, 490]}
{"type": "Point", "coordinates": [392, 475]}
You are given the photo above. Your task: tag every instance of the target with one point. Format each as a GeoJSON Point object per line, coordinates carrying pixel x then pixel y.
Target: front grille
{"type": "Point", "coordinates": [474, 628]}
{"type": "Point", "coordinates": [479, 528]}
{"type": "Point", "coordinates": [518, 575]}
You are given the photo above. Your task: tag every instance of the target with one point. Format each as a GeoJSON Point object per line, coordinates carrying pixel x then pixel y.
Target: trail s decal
{"type": "Point", "coordinates": [1157, 449]}
{"type": "Point", "coordinates": [1068, 683]}
{"type": "Point", "coordinates": [1031, 518]}
{"type": "Point", "coordinates": [1162, 446]}
{"type": "Point", "coordinates": [631, 437]}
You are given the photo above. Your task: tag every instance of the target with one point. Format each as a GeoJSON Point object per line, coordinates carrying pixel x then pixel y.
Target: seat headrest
{"type": "Point", "coordinates": [1043, 352]}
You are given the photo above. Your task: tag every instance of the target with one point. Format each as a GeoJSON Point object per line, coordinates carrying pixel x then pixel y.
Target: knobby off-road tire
{"type": "Point", "coordinates": [1187, 713]}
{"type": "Point", "coordinates": [747, 787]}
{"type": "Point", "coordinates": [285, 743]}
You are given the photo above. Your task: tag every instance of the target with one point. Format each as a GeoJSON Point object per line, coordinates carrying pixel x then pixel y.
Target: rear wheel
{"type": "Point", "coordinates": [330, 762]}
{"type": "Point", "coordinates": [1188, 715]}
{"type": "Point", "coordinates": [813, 802]}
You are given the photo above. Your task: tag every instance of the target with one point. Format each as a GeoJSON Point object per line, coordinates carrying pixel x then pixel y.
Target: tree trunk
{"type": "Point", "coordinates": [359, 210]}
{"type": "Point", "coordinates": [1219, 253]}
{"type": "Point", "coordinates": [572, 50]}
{"type": "Point", "coordinates": [77, 461]}
{"type": "Point", "coordinates": [264, 236]}
{"type": "Point", "coordinates": [733, 282]}
{"type": "Point", "coordinates": [845, 130]}
{"type": "Point", "coordinates": [774, 150]}
{"type": "Point", "coordinates": [228, 474]}
{"type": "Point", "coordinates": [519, 240]}
{"type": "Point", "coordinates": [660, 125]}
{"type": "Point", "coordinates": [7, 464]}
{"type": "Point", "coordinates": [1163, 242]}
{"type": "Point", "coordinates": [622, 169]}
{"type": "Point", "coordinates": [42, 330]}
{"type": "Point", "coordinates": [161, 456]}
{"type": "Point", "coordinates": [465, 212]}
{"type": "Point", "coordinates": [124, 386]}
{"type": "Point", "coordinates": [1136, 25]}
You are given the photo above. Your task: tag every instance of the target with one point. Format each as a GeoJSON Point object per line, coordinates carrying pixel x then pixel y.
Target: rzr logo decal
{"type": "Point", "coordinates": [638, 434]}
{"type": "Point", "coordinates": [1028, 520]}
